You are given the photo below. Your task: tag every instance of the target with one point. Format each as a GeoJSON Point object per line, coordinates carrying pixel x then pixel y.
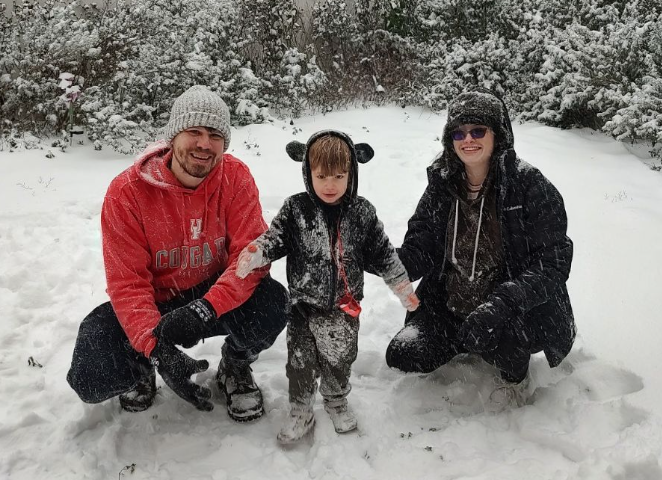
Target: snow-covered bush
{"type": "Point", "coordinates": [641, 119]}
{"type": "Point", "coordinates": [450, 20]}
{"type": "Point", "coordinates": [334, 30]}
{"type": "Point", "coordinates": [587, 74]}
{"type": "Point", "coordinates": [178, 46]}
{"type": "Point", "coordinates": [638, 113]}
{"type": "Point", "coordinates": [389, 58]}
{"type": "Point", "coordinates": [46, 40]}
{"type": "Point", "coordinates": [299, 77]}
{"type": "Point", "coordinates": [489, 63]}
{"type": "Point", "coordinates": [565, 84]}
{"type": "Point", "coordinates": [334, 38]}
{"type": "Point", "coordinates": [590, 63]}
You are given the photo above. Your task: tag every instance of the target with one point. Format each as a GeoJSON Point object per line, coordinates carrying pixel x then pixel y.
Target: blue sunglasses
{"type": "Point", "coordinates": [459, 135]}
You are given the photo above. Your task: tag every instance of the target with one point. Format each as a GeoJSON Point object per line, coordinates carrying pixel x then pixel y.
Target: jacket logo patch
{"type": "Point", "coordinates": [516, 207]}
{"type": "Point", "coordinates": [196, 228]}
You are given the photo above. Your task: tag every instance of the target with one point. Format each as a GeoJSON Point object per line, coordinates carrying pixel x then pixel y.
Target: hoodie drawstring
{"type": "Point", "coordinates": [480, 222]}
{"type": "Point", "coordinates": [205, 221]}
{"type": "Point", "coordinates": [457, 209]}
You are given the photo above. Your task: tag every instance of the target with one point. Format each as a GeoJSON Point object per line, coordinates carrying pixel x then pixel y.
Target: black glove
{"type": "Point", "coordinates": [186, 325]}
{"type": "Point", "coordinates": [482, 329]}
{"type": "Point", "coordinates": [176, 368]}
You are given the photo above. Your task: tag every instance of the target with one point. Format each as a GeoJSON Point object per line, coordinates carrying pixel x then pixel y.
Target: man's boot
{"type": "Point", "coordinates": [141, 397]}
{"type": "Point", "coordinates": [243, 397]}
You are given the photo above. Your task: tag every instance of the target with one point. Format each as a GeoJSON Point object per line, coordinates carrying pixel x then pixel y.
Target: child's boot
{"type": "Point", "coordinates": [298, 423]}
{"type": "Point", "coordinates": [341, 415]}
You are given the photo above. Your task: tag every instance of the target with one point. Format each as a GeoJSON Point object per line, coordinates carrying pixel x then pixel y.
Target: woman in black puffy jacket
{"type": "Point", "coordinates": [488, 239]}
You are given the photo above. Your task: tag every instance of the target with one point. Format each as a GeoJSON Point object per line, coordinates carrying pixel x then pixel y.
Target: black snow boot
{"type": "Point", "coordinates": [243, 397]}
{"type": "Point", "coordinates": [142, 395]}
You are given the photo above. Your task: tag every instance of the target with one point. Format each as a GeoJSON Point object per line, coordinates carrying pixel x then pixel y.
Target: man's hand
{"type": "Point", "coordinates": [405, 293]}
{"type": "Point", "coordinates": [186, 325]}
{"type": "Point", "coordinates": [249, 259]}
{"type": "Point", "coordinates": [481, 331]}
{"type": "Point", "coordinates": [176, 368]}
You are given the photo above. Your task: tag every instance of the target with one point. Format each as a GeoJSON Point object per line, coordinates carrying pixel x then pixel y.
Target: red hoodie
{"type": "Point", "coordinates": [160, 238]}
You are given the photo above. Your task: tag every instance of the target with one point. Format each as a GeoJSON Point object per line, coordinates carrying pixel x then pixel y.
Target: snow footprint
{"type": "Point", "coordinates": [601, 382]}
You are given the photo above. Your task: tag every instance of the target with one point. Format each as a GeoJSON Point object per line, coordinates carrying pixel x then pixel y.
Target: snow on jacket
{"type": "Point", "coordinates": [301, 232]}
{"type": "Point", "coordinates": [160, 238]}
{"type": "Point", "coordinates": [532, 295]}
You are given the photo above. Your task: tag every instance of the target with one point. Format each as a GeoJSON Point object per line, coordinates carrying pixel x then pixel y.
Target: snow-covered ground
{"type": "Point", "coordinates": [597, 416]}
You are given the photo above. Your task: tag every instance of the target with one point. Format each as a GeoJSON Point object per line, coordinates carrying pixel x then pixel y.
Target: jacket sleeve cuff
{"type": "Point", "coordinates": [149, 346]}
{"type": "Point", "coordinates": [218, 309]}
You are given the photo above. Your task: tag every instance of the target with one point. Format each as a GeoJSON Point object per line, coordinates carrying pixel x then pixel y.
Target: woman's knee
{"type": "Point", "coordinates": [405, 352]}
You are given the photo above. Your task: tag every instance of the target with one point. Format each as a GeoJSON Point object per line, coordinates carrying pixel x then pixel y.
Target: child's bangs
{"type": "Point", "coordinates": [330, 154]}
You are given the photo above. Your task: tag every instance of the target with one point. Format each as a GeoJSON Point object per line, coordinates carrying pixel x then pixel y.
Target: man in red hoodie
{"type": "Point", "coordinates": [173, 225]}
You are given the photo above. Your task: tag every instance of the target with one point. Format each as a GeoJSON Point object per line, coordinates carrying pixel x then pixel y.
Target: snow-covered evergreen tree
{"type": "Point", "coordinates": [588, 71]}
{"type": "Point", "coordinates": [389, 67]}
{"type": "Point", "coordinates": [562, 62]}
{"type": "Point", "coordinates": [175, 47]}
{"type": "Point", "coordinates": [488, 63]}
{"type": "Point", "coordinates": [335, 37]}
{"type": "Point", "coordinates": [275, 43]}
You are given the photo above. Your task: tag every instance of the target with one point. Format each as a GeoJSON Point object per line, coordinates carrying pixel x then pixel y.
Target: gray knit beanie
{"type": "Point", "coordinates": [199, 107]}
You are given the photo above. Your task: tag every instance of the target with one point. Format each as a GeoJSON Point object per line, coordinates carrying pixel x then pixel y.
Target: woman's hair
{"type": "Point", "coordinates": [331, 154]}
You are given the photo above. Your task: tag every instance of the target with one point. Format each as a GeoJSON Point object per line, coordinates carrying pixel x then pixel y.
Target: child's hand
{"type": "Point", "coordinates": [249, 259]}
{"type": "Point", "coordinates": [405, 293]}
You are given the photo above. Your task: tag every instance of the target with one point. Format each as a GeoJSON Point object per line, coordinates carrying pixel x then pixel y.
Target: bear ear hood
{"type": "Point", "coordinates": [296, 150]}
{"type": "Point", "coordinates": [364, 152]}
{"type": "Point", "coordinates": [360, 153]}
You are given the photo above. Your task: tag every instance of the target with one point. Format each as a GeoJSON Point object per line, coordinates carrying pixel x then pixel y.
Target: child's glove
{"type": "Point", "coordinates": [405, 293]}
{"type": "Point", "coordinates": [249, 259]}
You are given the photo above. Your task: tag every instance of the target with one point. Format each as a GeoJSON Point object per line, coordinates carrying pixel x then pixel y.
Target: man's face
{"type": "Point", "coordinates": [329, 189]}
{"type": "Point", "coordinates": [196, 151]}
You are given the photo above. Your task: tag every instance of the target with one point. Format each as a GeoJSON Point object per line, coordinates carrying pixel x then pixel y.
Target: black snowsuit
{"type": "Point", "coordinates": [321, 338]}
{"type": "Point", "coordinates": [529, 295]}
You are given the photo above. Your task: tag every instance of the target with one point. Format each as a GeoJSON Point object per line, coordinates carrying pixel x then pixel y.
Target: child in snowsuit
{"type": "Point", "coordinates": [330, 236]}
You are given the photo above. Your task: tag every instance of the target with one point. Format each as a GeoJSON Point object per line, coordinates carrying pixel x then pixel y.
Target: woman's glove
{"type": "Point", "coordinates": [482, 329]}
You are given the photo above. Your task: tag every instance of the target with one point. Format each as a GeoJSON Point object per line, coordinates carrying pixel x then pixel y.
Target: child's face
{"type": "Point", "coordinates": [330, 189]}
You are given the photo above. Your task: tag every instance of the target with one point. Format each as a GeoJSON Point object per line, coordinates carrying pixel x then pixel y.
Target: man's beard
{"type": "Point", "coordinates": [193, 169]}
